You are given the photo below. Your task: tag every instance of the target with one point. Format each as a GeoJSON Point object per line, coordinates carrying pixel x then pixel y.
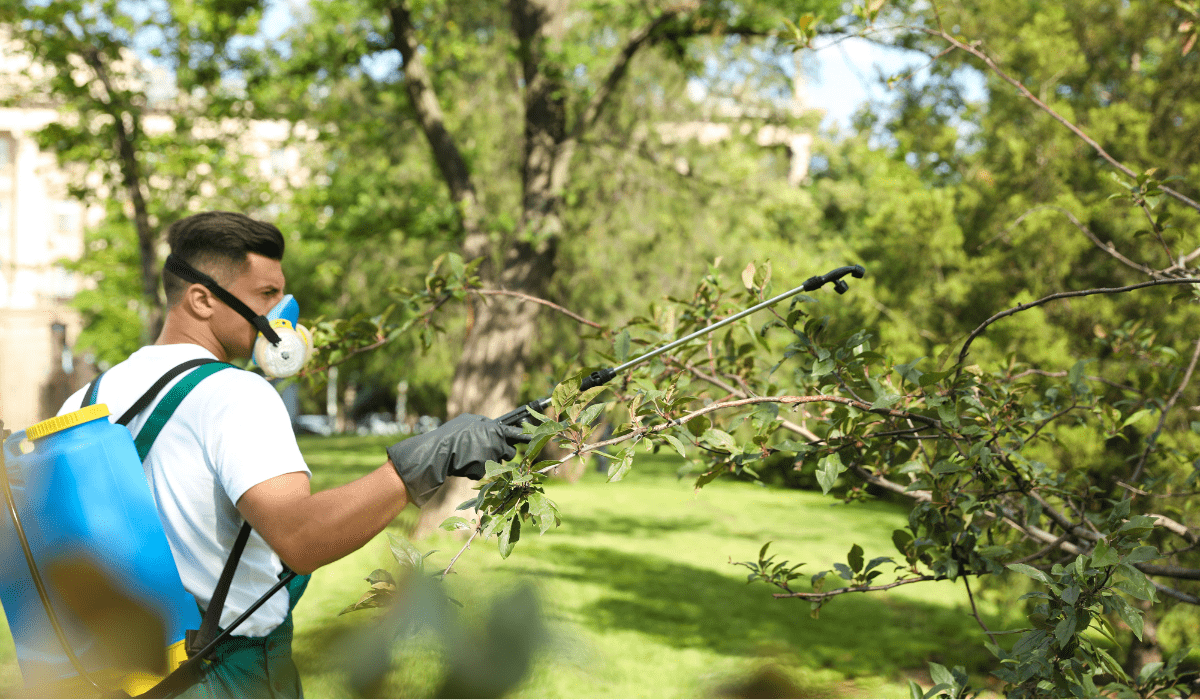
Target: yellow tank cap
{"type": "Point", "coordinates": [38, 431]}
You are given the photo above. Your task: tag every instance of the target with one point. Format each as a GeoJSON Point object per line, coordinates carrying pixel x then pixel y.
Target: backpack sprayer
{"type": "Point", "coordinates": [520, 415]}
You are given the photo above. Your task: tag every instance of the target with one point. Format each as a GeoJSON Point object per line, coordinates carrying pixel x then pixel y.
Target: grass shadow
{"type": "Point", "coordinates": [684, 607]}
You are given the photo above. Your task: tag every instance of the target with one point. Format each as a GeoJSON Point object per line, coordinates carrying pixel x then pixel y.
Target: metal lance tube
{"type": "Point", "coordinates": [603, 376]}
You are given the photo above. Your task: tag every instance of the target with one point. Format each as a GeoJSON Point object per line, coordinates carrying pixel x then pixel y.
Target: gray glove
{"type": "Point", "coordinates": [460, 447]}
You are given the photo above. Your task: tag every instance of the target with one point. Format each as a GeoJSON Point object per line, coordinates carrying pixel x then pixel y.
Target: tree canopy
{"type": "Point", "coordinates": [1011, 364]}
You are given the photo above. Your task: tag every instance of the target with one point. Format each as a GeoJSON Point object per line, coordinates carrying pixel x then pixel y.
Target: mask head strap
{"type": "Point", "coordinates": [186, 272]}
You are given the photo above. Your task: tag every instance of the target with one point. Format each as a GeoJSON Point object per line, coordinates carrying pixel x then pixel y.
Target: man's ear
{"type": "Point", "coordinates": [199, 301]}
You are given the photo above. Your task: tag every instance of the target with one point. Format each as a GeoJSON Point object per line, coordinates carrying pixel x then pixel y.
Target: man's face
{"type": "Point", "coordinates": [259, 286]}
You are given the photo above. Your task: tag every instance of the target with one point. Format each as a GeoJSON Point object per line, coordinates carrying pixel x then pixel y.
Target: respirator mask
{"type": "Point", "coordinates": [283, 345]}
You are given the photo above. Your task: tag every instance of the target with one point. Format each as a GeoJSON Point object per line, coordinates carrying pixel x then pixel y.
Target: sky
{"type": "Point", "coordinates": [844, 75]}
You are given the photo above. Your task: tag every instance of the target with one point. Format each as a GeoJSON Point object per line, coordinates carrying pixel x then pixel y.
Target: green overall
{"type": "Point", "coordinates": [254, 667]}
{"type": "Point", "coordinates": [239, 667]}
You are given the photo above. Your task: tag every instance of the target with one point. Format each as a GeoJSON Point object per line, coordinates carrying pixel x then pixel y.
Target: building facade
{"type": "Point", "coordinates": [40, 228]}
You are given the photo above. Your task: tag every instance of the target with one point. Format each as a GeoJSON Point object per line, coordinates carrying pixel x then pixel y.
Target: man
{"type": "Point", "coordinates": [228, 454]}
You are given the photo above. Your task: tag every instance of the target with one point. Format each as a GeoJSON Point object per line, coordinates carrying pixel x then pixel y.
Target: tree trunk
{"type": "Point", "coordinates": [131, 177]}
{"type": "Point", "coordinates": [488, 377]}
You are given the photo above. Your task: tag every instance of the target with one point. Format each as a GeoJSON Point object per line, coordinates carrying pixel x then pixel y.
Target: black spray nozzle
{"type": "Point", "coordinates": [835, 276]}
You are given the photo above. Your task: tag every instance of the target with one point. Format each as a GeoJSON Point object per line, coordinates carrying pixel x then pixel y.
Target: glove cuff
{"type": "Point", "coordinates": [420, 480]}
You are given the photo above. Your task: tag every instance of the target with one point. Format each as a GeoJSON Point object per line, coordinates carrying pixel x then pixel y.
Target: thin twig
{"type": "Point", "coordinates": [1153, 438]}
{"type": "Point", "coordinates": [1185, 494]}
{"type": "Point", "coordinates": [975, 610]}
{"type": "Point", "coordinates": [1062, 295]}
{"type": "Point", "coordinates": [818, 597]}
{"type": "Point", "coordinates": [1044, 550]}
{"type": "Point", "coordinates": [1102, 380]}
{"type": "Point", "coordinates": [789, 425]}
{"type": "Point", "coordinates": [537, 300]}
{"type": "Point", "coordinates": [379, 342]}
{"type": "Point", "coordinates": [978, 53]}
{"type": "Point", "coordinates": [465, 547]}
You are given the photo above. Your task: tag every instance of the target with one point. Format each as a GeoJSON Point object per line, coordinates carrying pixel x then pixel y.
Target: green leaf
{"type": "Point", "coordinates": [698, 425]}
{"type": "Point", "coordinates": [1131, 615]}
{"type": "Point", "coordinates": [931, 378]}
{"type": "Point", "coordinates": [618, 469]}
{"type": "Point", "coordinates": [405, 553]}
{"type": "Point", "coordinates": [1136, 584]}
{"type": "Point", "coordinates": [947, 467]}
{"type": "Point", "coordinates": [1065, 629]}
{"type": "Point", "coordinates": [828, 470]}
{"type": "Point", "coordinates": [1136, 416]}
{"type": "Point", "coordinates": [914, 691]}
{"type": "Point", "coordinates": [909, 371]}
{"type": "Point", "coordinates": [1104, 555]}
{"type": "Point", "coordinates": [940, 674]}
{"type": "Point", "coordinates": [564, 395]}
{"type": "Point", "coordinates": [677, 444]}
{"type": "Point", "coordinates": [455, 522]}
{"type": "Point", "coordinates": [720, 439]}
{"type": "Point", "coordinates": [494, 469]}
{"type": "Point", "coordinates": [509, 536]}
{"type": "Point", "coordinates": [855, 558]}
{"type": "Point", "coordinates": [621, 346]}
{"type": "Point", "coordinates": [1030, 572]}
{"type": "Point", "coordinates": [885, 401]}
{"type": "Point", "coordinates": [948, 414]}
{"type": "Point", "coordinates": [589, 414]}
{"type": "Point", "coordinates": [380, 576]}
{"type": "Point", "coordinates": [1143, 553]}
{"type": "Point", "coordinates": [543, 510]}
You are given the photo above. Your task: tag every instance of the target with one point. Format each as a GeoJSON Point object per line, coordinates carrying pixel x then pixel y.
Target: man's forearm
{"type": "Point", "coordinates": [326, 526]}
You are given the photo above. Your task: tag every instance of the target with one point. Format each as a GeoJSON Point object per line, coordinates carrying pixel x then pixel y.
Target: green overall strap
{"type": "Point", "coordinates": [166, 407]}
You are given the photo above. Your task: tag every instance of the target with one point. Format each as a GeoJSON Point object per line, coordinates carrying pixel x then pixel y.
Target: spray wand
{"type": "Point", "coordinates": [521, 414]}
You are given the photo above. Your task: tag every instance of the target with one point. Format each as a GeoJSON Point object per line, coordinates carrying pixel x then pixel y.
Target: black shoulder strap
{"type": "Point", "coordinates": [141, 404]}
{"type": "Point", "coordinates": [209, 626]}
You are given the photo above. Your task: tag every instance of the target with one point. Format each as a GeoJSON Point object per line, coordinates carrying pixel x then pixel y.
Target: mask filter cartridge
{"type": "Point", "coordinates": [288, 357]}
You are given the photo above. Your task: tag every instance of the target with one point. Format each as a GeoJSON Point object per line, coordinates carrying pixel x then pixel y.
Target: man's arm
{"type": "Point", "coordinates": [309, 530]}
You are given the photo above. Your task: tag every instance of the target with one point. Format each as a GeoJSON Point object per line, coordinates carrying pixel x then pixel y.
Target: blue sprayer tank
{"type": "Point", "coordinates": [80, 495]}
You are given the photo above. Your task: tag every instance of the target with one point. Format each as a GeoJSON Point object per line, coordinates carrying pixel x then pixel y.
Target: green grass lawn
{"type": "Point", "coordinates": [640, 596]}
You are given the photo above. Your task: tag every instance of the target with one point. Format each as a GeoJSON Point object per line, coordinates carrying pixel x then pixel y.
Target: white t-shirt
{"type": "Point", "coordinates": [228, 434]}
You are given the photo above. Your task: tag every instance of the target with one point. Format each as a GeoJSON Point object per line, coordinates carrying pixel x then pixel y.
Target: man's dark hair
{"type": "Point", "coordinates": [216, 243]}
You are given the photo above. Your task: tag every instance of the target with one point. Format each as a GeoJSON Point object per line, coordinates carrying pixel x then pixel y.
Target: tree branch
{"type": "Point", "coordinates": [538, 300]}
{"type": "Point", "coordinates": [975, 51]}
{"type": "Point", "coordinates": [1062, 295]}
{"type": "Point", "coordinates": [818, 597]}
{"type": "Point", "coordinates": [1177, 572]}
{"type": "Point", "coordinates": [1177, 595]}
{"type": "Point", "coordinates": [604, 93]}
{"type": "Point", "coordinates": [975, 610]}
{"type": "Point", "coordinates": [1106, 247]}
{"type": "Point", "coordinates": [131, 176]}
{"type": "Point", "coordinates": [733, 391]}
{"type": "Point", "coordinates": [1162, 418]}
{"type": "Point", "coordinates": [419, 85]}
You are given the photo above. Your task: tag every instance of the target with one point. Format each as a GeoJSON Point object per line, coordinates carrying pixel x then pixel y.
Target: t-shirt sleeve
{"type": "Point", "coordinates": [247, 433]}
